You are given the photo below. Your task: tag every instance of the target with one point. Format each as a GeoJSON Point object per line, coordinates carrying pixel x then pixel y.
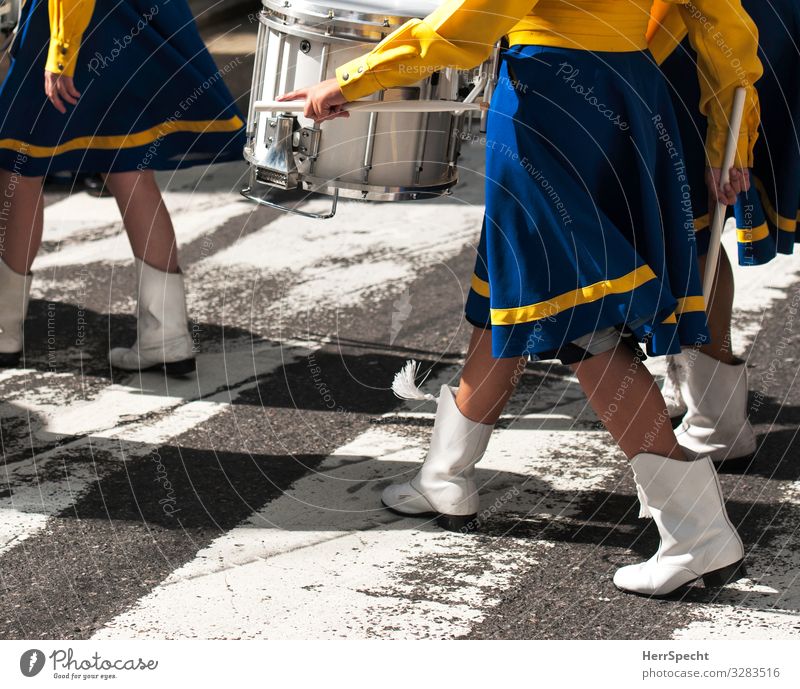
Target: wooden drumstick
{"type": "Point", "coordinates": [715, 240]}
{"type": "Point", "coordinates": [297, 106]}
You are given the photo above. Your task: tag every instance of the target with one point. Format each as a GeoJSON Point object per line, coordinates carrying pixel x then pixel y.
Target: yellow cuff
{"type": "Point", "coordinates": [715, 148]}
{"type": "Point", "coordinates": [61, 58]}
{"type": "Point", "coordinates": [357, 80]}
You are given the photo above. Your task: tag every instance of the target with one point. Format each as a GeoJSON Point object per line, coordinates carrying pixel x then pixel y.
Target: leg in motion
{"type": "Point", "coordinates": [163, 339]}
{"type": "Point", "coordinates": [21, 226]}
{"type": "Point", "coordinates": [683, 497]}
{"type": "Point", "coordinates": [146, 218]}
{"type": "Point", "coordinates": [713, 385]}
{"type": "Point", "coordinates": [445, 486]}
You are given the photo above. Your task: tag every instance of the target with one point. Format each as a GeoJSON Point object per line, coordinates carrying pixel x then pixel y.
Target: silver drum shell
{"type": "Point", "coordinates": [381, 157]}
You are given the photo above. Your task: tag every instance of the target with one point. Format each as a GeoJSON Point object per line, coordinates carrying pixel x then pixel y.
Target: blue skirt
{"type": "Point", "coordinates": [767, 215]}
{"type": "Point", "coordinates": [588, 220]}
{"type": "Point", "coordinates": [152, 97]}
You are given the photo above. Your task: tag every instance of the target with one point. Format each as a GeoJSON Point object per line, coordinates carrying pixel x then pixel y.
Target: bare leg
{"type": "Point", "coordinates": [486, 382]}
{"type": "Point", "coordinates": [635, 415]}
{"type": "Point", "coordinates": [22, 223]}
{"type": "Point", "coordinates": [626, 398]}
{"type": "Point", "coordinates": [720, 310]}
{"type": "Point", "coordinates": [147, 220]}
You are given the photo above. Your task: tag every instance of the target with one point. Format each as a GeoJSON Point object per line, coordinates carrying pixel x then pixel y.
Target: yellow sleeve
{"type": "Point", "coordinates": [665, 31]}
{"type": "Point", "coordinates": [725, 39]}
{"type": "Point", "coordinates": [460, 33]}
{"type": "Point", "coordinates": [68, 21]}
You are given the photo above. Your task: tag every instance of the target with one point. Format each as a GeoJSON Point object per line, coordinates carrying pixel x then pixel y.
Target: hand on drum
{"type": "Point", "coordinates": [324, 101]}
{"type": "Point", "coordinates": [717, 192]}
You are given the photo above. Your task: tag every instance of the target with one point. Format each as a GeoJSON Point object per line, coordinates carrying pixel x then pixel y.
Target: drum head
{"type": "Point", "coordinates": [368, 8]}
{"type": "Point", "coordinates": [397, 8]}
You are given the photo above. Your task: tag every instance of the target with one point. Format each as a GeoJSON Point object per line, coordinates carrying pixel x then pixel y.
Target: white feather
{"type": "Point", "coordinates": [405, 386]}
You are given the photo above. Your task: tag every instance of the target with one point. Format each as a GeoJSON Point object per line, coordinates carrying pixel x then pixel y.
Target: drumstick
{"type": "Point", "coordinates": [712, 258]}
{"type": "Point", "coordinates": [296, 106]}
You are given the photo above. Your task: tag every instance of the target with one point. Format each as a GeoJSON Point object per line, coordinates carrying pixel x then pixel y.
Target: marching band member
{"type": "Point", "coordinates": [708, 387]}
{"type": "Point", "coordinates": [125, 88]}
{"type": "Point", "coordinates": [585, 248]}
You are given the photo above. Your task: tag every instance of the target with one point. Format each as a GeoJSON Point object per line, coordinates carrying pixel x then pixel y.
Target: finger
{"type": "Point", "coordinates": [728, 194]}
{"type": "Point", "coordinates": [735, 180]}
{"type": "Point", "coordinates": [62, 91]}
{"type": "Point", "coordinates": [69, 84]}
{"type": "Point", "coordinates": [57, 103]}
{"type": "Point", "coordinates": [300, 94]}
{"type": "Point", "coordinates": [336, 112]}
{"type": "Point", "coordinates": [331, 116]}
{"type": "Point", "coordinates": [740, 179]}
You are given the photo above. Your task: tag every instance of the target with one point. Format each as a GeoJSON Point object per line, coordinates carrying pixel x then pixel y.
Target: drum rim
{"type": "Point", "coordinates": [313, 16]}
{"type": "Point", "coordinates": [377, 192]}
{"type": "Point", "coordinates": [361, 33]}
{"type": "Point", "coordinates": [321, 8]}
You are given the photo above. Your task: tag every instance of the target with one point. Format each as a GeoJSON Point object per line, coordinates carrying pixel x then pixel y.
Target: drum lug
{"type": "Point", "coordinates": [279, 168]}
{"type": "Point", "coordinates": [306, 142]}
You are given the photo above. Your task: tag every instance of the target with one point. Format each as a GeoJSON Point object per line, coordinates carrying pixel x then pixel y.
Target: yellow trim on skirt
{"type": "Point", "coordinates": [780, 221]}
{"type": "Point", "coordinates": [121, 141]}
{"type": "Point", "coordinates": [569, 300]}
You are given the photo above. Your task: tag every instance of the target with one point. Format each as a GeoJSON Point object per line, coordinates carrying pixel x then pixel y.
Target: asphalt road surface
{"type": "Point", "coordinates": [243, 502]}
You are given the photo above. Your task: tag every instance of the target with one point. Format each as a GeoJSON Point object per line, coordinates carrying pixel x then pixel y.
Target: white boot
{"type": "Point", "coordinates": [671, 389]}
{"type": "Point", "coordinates": [697, 538]}
{"type": "Point", "coordinates": [14, 296]}
{"type": "Point", "coordinates": [716, 421]}
{"type": "Point", "coordinates": [445, 485]}
{"type": "Point", "coordinates": [163, 340]}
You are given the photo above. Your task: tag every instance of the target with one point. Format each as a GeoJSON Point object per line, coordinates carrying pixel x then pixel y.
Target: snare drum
{"type": "Point", "coordinates": [371, 156]}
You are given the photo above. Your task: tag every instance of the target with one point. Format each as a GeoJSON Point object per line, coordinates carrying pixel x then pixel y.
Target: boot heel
{"type": "Point", "coordinates": [180, 368]}
{"type": "Point", "coordinates": [459, 523]}
{"type": "Point", "coordinates": [725, 575]}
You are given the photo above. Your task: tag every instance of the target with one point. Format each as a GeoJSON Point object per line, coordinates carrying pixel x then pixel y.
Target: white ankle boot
{"type": "Point", "coordinates": [697, 539]}
{"type": "Point", "coordinates": [445, 485]}
{"type": "Point", "coordinates": [671, 389]}
{"type": "Point", "coordinates": [14, 296]}
{"type": "Point", "coordinates": [715, 423]}
{"type": "Point", "coordinates": [163, 340]}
